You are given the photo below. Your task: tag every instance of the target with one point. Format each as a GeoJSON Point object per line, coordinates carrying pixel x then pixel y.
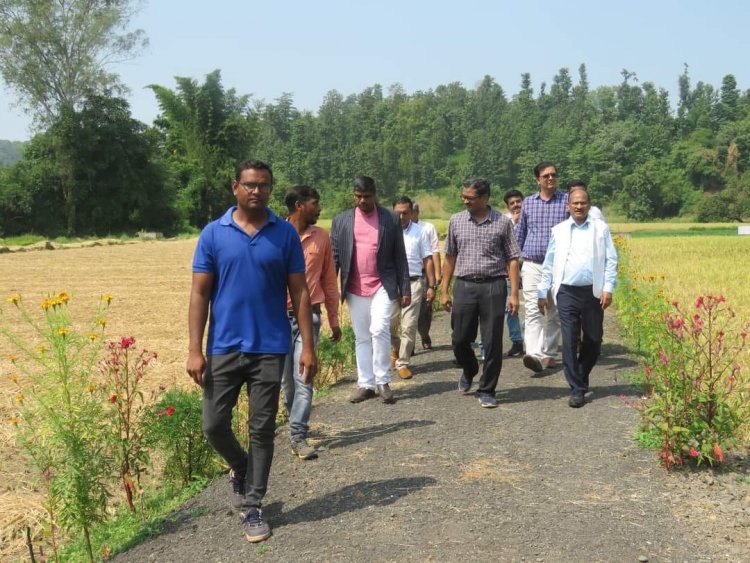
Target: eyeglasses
{"type": "Point", "coordinates": [550, 176]}
{"type": "Point", "coordinates": [252, 186]}
{"type": "Point", "coordinates": [470, 197]}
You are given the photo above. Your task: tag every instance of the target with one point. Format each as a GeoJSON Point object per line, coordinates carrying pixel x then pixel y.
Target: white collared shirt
{"type": "Point", "coordinates": [417, 248]}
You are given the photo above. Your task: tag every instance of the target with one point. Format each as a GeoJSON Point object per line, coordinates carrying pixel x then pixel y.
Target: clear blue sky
{"type": "Point", "coordinates": [308, 48]}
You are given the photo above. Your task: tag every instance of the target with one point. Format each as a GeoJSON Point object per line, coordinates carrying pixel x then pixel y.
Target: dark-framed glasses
{"type": "Point", "coordinates": [550, 176]}
{"type": "Point", "coordinates": [252, 186]}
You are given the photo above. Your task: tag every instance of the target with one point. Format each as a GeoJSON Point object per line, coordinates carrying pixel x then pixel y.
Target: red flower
{"type": "Point", "coordinates": [699, 302]}
{"type": "Point", "coordinates": [113, 398]}
{"type": "Point", "coordinates": [126, 342]}
{"type": "Point", "coordinates": [718, 453]}
{"type": "Point", "coordinates": [693, 452]}
{"type": "Point", "coordinates": [170, 410]}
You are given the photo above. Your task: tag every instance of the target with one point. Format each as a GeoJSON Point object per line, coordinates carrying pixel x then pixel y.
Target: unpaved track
{"type": "Point", "coordinates": [436, 478]}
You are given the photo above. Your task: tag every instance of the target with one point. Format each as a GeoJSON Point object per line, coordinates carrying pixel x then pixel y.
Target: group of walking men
{"type": "Point", "coordinates": [260, 281]}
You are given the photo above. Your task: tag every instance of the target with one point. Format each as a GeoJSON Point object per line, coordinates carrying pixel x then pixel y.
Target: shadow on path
{"type": "Point", "coordinates": [348, 499]}
{"type": "Point", "coordinates": [427, 389]}
{"type": "Point", "coordinates": [529, 393]}
{"type": "Point", "coordinates": [350, 437]}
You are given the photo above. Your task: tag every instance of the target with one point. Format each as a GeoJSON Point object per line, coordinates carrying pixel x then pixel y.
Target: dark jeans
{"type": "Point", "coordinates": [424, 322]}
{"type": "Point", "coordinates": [580, 312]}
{"type": "Point", "coordinates": [479, 305]}
{"type": "Point", "coordinates": [223, 380]}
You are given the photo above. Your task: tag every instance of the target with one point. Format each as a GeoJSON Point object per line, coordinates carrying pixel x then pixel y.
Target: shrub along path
{"type": "Point", "coordinates": [436, 478]}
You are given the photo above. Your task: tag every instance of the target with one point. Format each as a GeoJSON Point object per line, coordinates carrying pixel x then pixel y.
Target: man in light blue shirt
{"type": "Point", "coordinates": [580, 269]}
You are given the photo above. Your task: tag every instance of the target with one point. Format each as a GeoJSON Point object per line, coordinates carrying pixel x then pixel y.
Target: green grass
{"type": "Point", "coordinates": [127, 530]}
{"type": "Point", "coordinates": [689, 232]}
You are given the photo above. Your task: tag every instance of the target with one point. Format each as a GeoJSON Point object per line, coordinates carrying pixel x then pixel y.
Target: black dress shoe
{"type": "Point", "coordinates": [576, 401]}
{"type": "Point", "coordinates": [516, 351]}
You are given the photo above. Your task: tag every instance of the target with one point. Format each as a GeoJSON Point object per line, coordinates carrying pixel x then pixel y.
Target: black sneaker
{"type": "Point", "coordinates": [464, 384]}
{"type": "Point", "coordinates": [386, 394]}
{"type": "Point", "coordinates": [256, 529]}
{"type": "Point", "coordinates": [302, 449]}
{"type": "Point", "coordinates": [516, 351]}
{"type": "Point", "coordinates": [238, 489]}
{"type": "Point", "coordinates": [576, 401]}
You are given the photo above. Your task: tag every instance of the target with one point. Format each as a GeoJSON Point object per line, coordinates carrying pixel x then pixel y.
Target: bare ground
{"type": "Point", "coordinates": [436, 478]}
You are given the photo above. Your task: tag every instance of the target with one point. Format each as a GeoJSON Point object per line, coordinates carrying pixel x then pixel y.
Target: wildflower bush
{"type": "Point", "coordinates": [696, 393]}
{"type": "Point", "coordinates": [174, 424]}
{"type": "Point", "coordinates": [60, 417]}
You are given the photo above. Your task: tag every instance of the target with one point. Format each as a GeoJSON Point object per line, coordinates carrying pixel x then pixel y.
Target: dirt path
{"type": "Point", "coordinates": [436, 478]}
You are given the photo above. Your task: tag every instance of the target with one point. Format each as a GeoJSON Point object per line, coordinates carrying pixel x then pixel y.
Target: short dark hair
{"type": "Point", "coordinates": [541, 166]}
{"type": "Point", "coordinates": [365, 184]}
{"type": "Point", "coordinates": [403, 199]}
{"type": "Point", "coordinates": [254, 165]}
{"type": "Point", "coordinates": [481, 185]}
{"type": "Point", "coordinates": [299, 193]}
{"type": "Point", "coordinates": [512, 193]}
{"type": "Point", "coordinates": [577, 184]}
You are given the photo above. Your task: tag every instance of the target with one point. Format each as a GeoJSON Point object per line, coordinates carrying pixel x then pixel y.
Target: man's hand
{"type": "Point", "coordinates": [542, 305]}
{"type": "Point", "coordinates": [445, 301]}
{"type": "Point", "coordinates": [335, 333]}
{"type": "Point", "coordinates": [605, 300]}
{"type": "Point", "coordinates": [513, 305]}
{"type": "Point", "coordinates": [405, 300]}
{"type": "Point", "coordinates": [196, 365]}
{"type": "Point", "coordinates": [430, 295]}
{"type": "Point", "coordinates": [308, 364]}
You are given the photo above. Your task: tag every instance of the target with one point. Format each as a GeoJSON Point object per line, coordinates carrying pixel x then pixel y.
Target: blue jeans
{"type": "Point", "coordinates": [513, 321]}
{"type": "Point", "coordinates": [297, 394]}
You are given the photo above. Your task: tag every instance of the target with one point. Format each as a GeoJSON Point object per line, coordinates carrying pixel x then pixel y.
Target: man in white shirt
{"type": "Point", "coordinates": [404, 319]}
{"type": "Point", "coordinates": [425, 312]}
{"type": "Point", "coordinates": [580, 269]}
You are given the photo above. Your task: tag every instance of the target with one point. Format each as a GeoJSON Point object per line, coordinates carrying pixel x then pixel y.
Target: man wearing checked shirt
{"type": "Point", "coordinates": [539, 213]}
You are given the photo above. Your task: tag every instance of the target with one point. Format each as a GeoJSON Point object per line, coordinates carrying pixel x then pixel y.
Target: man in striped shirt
{"type": "Point", "coordinates": [539, 213]}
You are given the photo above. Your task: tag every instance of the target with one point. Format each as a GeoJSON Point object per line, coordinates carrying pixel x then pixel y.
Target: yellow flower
{"type": "Point", "coordinates": [14, 420]}
{"type": "Point", "coordinates": [93, 337]}
{"type": "Point", "coordinates": [13, 377]}
{"type": "Point", "coordinates": [19, 399]}
{"type": "Point", "coordinates": [46, 304]}
{"type": "Point", "coordinates": [12, 358]}
{"type": "Point", "coordinates": [91, 388]}
{"type": "Point", "coordinates": [107, 298]}
{"type": "Point", "coordinates": [102, 322]}
{"type": "Point", "coordinates": [62, 331]}
{"type": "Point", "coordinates": [42, 348]}
{"type": "Point", "coordinates": [15, 299]}
{"type": "Point", "coordinates": [63, 297]}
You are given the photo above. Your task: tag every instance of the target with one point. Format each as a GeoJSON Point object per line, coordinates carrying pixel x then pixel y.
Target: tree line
{"type": "Point", "coordinates": [94, 169]}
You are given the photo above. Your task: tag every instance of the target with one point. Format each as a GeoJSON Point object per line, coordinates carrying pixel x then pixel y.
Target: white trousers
{"type": "Point", "coordinates": [541, 332]}
{"type": "Point", "coordinates": [371, 321]}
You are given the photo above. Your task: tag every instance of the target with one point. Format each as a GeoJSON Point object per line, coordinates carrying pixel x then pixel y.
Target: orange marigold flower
{"type": "Point", "coordinates": [102, 322]}
{"type": "Point", "coordinates": [91, 388]}
{"type": "Point", "coordinates": [93, 336]}
{"type": "Point", "coordinates": [19, 399]}
{"type": "Point", "coordinates": [12, 358]}
{"type": "Point", "coordinates": [42, 348]}
{"type": "Point", "coordinates": [63, 297]}
{"type": "Point", "coordinates": [46, 304]}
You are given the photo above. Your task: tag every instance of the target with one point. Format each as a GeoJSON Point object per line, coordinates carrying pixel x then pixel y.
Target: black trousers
{"type": "Point", "coordinates": [582, 324]}
{"type": "Point", "coordinates": [479, 305]}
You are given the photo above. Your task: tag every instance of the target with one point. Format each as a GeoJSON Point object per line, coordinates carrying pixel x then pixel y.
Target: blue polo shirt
{"type": "Point", "coordinates": [248, 301]}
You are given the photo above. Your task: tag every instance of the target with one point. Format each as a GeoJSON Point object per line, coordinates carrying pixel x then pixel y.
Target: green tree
{"type": "Point", "coordinates": [54, 54]}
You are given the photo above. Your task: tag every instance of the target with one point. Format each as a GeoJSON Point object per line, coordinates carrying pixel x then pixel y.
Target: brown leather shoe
{"type": "Point", "coordinates": [533, 363]}
{"type": "Point", "coordinates": [386, 394]}
{"type": "Point", "coordinates": [404, 373]}
{"type": "Point", "coordinates": [394, 357]}
{"type": "Point", "coordinates": [362, 394]}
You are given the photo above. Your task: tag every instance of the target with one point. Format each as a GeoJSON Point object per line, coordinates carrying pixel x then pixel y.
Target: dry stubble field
{"type": "Point", "coordinates": [149, 282]}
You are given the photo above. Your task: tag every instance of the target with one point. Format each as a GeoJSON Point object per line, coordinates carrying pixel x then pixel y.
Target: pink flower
{"type": "Point", "coordinates": [693, 452]}
{"type": "Point", "coordinates": [47, 473]}
{"type": "Point", "coordinates": [170, 410]}
{"type": "Point", "coordinates": [113, 398]}
{"type": "Point", "coordinates": [718, 453]}
{"type": "Point", "coordinates": [699, 302]}
{"type": "Point", "coordinates": [126, 342]}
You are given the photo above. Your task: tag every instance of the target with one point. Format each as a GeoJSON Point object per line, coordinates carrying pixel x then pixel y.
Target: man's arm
{"type": "Point", "coordinates": [430, 272]}
{"type": "Point", "coordinates": [449, 264]}
{"type": "Point", "coordinates": [513, 276]}
{"type": "Point", "coordinates": [297, 286]}
{"type": "Point", "coordinates": [545, 284]}
{"type": "Point", "coordinates": [402, 265]}
{"type": "Point", "coordinates": [610, 270]}
{"type": "Point", "coordinates": [330, 292]}
{"type": "Point", "coordinates": [200, 297]}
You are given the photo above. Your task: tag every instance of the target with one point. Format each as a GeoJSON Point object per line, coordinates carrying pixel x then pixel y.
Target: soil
{"type": "Point", "coordinates": [434, 477]}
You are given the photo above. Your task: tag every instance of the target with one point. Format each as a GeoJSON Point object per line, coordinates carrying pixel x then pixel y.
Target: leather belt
{"type": "Point", "coordinates": [481, 280]}
{"type": "Point", "coordinates": [415, 278]}
{"type": "Point", "coordinates": [533, 261]}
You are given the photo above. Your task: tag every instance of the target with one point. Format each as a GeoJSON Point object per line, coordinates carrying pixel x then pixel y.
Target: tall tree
{"type": "Point", "coordinates": [55, 53]}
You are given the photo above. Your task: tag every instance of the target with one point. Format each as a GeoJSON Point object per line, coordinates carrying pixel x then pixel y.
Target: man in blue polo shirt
{"type": "Point", "coordinates": [243, 265]}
